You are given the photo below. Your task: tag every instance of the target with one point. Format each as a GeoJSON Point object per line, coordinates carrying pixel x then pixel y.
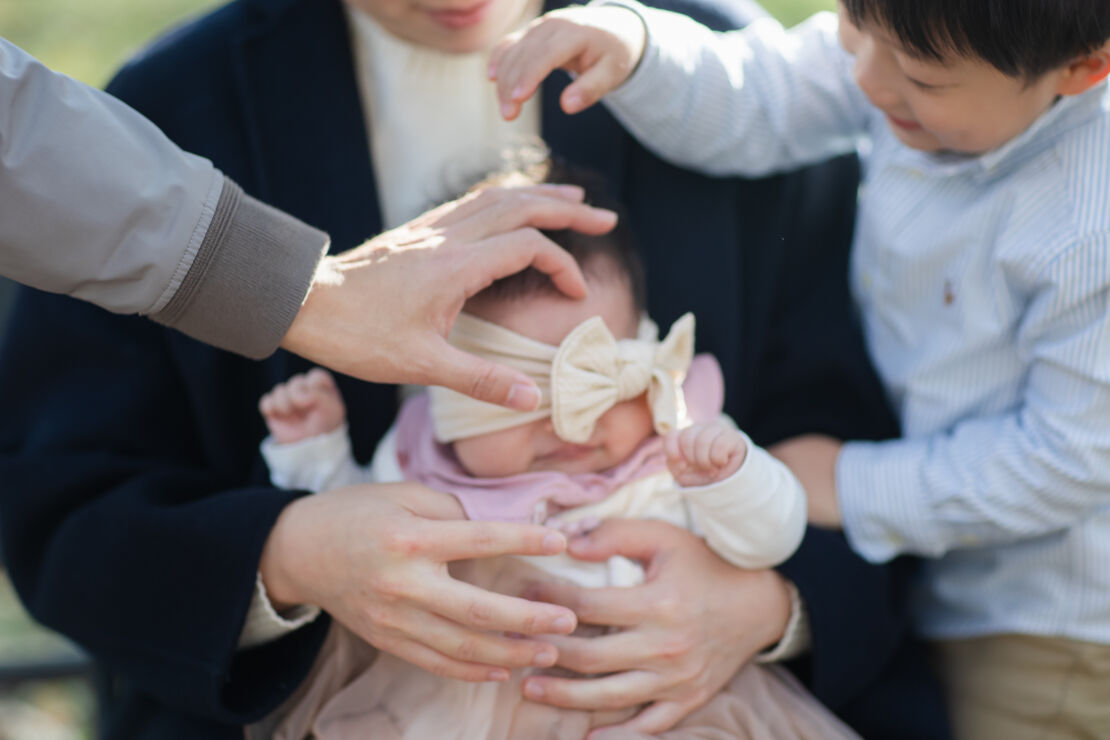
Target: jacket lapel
{"type": "Point", "coordinates": [304, 118]}
{"type": "Point", "coordinates": [312, 155]}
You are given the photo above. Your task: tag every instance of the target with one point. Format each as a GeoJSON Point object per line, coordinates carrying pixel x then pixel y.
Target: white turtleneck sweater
{"type": "Point", "coordinates": [432, 118]}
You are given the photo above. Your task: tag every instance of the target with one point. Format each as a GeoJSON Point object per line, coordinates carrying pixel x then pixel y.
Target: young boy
{"type": "Point", "coordinates": [982, 271]}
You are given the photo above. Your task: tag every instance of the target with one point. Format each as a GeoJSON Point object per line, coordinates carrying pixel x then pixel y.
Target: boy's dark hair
{"type": "Point", "coordinates": [611, 255]}
{"type": "Point", "coordinates": [1020, 38]}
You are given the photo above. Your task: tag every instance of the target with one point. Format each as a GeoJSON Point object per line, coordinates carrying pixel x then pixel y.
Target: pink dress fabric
{"type": "Point", "coordinates": [355, 692]}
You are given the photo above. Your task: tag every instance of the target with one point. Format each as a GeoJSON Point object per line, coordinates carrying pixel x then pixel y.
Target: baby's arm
{"type": "Point", "coordinates": [743, 103]}
{"type": "Point", "coordinates": [308, 446]}
{"type": "Point", "coordinates": [748, 506]}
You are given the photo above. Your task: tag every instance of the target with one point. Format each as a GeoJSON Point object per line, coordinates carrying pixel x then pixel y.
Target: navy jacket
{"type": "Point", "coordinates": [135, 503]}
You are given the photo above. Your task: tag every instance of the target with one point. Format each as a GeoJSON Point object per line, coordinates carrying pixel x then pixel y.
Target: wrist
{"type": "Point", "coordinates": [772, 628]}
{"type": "Point", "coordinates": [276, 566]}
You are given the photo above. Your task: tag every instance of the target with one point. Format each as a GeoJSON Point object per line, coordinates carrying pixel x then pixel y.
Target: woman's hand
{"type": "Point", "coordinates": [375, 558]}
{"type": "Point", "coordinates": [683, 633]}
{"type": "Point", "coordinates": [382, 311]}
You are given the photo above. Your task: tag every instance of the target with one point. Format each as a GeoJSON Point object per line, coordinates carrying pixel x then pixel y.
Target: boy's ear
{"type": "Point", "coordinates": [1083, 74]}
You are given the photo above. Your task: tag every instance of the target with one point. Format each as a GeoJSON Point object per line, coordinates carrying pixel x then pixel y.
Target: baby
{"type": "Point", "coordinates": [628, 426]}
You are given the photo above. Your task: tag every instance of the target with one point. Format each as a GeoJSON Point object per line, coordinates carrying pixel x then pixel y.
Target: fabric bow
{"type": "Point", "coordinates": [585, 376]}
{"type": "Point", "coordinates": [593, 371]}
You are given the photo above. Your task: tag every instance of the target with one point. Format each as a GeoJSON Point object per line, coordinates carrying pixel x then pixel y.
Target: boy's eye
{"type": "Point", "coordinates": [928, 87]}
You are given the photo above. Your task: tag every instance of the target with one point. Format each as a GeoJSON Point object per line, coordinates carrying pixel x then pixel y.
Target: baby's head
{"type": "Point", "coordinates": [968, 76]}
{"type": "Point", "coordinates": [528, 304]}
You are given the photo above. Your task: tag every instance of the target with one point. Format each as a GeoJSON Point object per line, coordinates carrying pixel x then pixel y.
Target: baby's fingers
{"type": "Point", "coordinates": [277, 402]}
{"type": "Point", "coordinates": [709, 440]}
{"type": "Point", "coordinates": [723, 447]}
{"type": "Point", "coordinates": [320, 379]}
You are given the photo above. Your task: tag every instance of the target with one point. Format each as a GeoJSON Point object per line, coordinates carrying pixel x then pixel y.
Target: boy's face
{"type": "Point", "coordinates": [534, 446]}
{"type": "Point", "coordinates": [962, 105]}
{"type": "Point", "coordinates": [452, 26]}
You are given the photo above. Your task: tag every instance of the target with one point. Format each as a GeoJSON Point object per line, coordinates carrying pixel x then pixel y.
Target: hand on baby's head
{"type": "Point", "coordinates": [704, 453]}
{"type": "Point", "coordinates": [303, 406]}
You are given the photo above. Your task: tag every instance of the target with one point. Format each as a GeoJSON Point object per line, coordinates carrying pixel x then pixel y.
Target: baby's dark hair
{"type": "Point", "coordinates": [611, 255]}
{"type": "Point", "coordinates": [1020, 38]}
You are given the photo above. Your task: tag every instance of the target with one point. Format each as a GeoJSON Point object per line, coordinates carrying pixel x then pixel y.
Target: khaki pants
{"type": "Point", "coordinates": [1021, 687]}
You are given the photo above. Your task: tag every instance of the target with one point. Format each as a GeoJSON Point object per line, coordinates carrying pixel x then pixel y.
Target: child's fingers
{"type": "Point", "coordinates": [499, 51]}
{"type": "Point", "coordinates": [687, 441]}
{"type": "Point", "coordinates": [722, 448]}
{"type": "Point", "coordinates": [281, 403]}
{"type": "Point", "coordinates": [670, 447]}
{"type": "Point", "coordinates": [320, 379]}
{"type": "Point", "coordinates": [300, 392]}
{"type": "Point", "coordinates": [703, 446]}
{"type": "Point", "coordinates": [594, 84]}
{"type": "Point", "coordinates": [545, 48]}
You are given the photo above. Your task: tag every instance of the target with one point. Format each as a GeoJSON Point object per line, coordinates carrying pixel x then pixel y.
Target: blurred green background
{"type": "Point", "coordinates": [89, 39]}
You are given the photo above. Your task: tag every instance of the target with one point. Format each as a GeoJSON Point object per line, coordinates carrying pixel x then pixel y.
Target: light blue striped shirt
{"type": "Point", "coordinates": [984, 289]}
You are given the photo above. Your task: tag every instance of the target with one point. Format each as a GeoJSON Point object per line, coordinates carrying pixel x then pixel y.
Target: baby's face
{"type": "Point", "coordinates": [534, 446]}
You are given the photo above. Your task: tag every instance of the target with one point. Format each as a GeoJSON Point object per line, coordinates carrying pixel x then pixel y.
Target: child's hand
{"type": "Point", "coordinates": [812, 460]}
{"type": "Point", "coordinates": [704, 453]}
{"type": "Point", "coordinates": [303, 406]}
{"type": "Point", "coordinates": [600, 45]}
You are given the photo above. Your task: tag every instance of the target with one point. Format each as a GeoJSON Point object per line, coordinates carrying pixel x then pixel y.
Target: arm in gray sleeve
{"type": "Point", "coordinates": [96, 203]}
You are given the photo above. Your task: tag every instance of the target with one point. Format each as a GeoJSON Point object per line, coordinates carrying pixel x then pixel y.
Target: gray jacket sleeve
{"type": "Point", "coordinates": [96, 203]}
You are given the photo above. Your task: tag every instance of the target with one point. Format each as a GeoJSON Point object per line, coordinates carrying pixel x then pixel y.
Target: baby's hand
{"type": "Point", "coordinates": [303, 406]}
{"type": "Point", "coordinates": [600, 45]}
{"type": "Point", "coordinates": [704, 453]}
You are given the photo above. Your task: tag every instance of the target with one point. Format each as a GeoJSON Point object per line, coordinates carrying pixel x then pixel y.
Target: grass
{"type": "Point", "coordinates": [89, 39]}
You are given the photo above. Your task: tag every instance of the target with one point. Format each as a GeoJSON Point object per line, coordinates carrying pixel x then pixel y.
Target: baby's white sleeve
{"type": "Point", "coordinates": [756, 517]}
{"type": "Point", "coordinates": [317, 463]}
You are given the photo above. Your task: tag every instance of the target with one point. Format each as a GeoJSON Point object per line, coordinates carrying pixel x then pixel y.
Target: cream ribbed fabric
{"type": "Point", "coordinates": [585, 376]}
{"type": "Point", "coordinates": [432, 117]}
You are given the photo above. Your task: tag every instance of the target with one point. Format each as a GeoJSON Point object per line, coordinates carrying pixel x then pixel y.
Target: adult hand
{"type": "Point", "coordinates": [382, 311]}
{"type": "Point", "coordinates": [812, 460]}
{"type": "Point", "coordinates": [683, 633]}
{"type": "Point", "coordinates": [375, 557]}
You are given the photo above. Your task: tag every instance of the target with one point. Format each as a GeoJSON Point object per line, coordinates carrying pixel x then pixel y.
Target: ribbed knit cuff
{"type": "Point", "coordinates": [249, 279]}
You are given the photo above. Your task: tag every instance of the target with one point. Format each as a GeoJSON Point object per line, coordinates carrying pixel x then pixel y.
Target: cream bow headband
{"type": "Point", "coordinates": [585, 376]}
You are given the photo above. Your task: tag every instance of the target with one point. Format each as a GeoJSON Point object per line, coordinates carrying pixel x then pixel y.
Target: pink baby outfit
{"type": "Point", "coordinates": [356, 692]}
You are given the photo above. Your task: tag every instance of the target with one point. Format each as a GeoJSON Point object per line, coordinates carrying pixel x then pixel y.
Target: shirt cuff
{"type": "Point", "coordinates": [249, 278]}
{"type": "Point", "coordinates": [756, 517]}
{"type": "Point", "coordinates": [640, 83]}
{"type": "Point", "coordinates": [797, 638]}
{"type": "Point", "coordinates": [264, 624]}
{"type": "Point", "coordinates": [306, 465]}
{"type": "Point", "coordinates": [884, 505]}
